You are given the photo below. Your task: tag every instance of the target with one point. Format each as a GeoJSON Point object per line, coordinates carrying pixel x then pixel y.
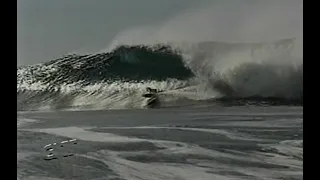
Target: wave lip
{"type": "Point", "coordinates": [126, 63]}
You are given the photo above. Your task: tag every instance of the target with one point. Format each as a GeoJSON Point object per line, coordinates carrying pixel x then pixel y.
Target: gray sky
{"type": "Point", "coordinates": [48, 29]}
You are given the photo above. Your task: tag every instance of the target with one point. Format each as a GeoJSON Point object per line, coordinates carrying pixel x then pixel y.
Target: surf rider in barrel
{"type": "Point", "coordinates": [151, 94]}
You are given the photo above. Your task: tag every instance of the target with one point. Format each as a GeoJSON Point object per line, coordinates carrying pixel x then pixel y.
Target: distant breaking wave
{"type": "Point", "coordinates": [190, 74]}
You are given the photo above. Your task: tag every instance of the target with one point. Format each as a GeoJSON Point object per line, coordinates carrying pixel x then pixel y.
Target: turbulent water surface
{"type": "Point", "coordinates": [227, 111]}
{"type": "Point", "coordinates": [185, 143]}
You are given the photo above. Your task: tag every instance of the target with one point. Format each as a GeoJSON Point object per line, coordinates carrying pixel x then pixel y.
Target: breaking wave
{"type": "Point", "coordinates": [189, 73]}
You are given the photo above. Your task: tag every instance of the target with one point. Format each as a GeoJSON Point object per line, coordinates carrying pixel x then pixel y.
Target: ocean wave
{"type": "Point", "coordinates": [189, 73]}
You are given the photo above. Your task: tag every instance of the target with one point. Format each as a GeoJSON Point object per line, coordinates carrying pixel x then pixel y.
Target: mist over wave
{"type": "Point", "coordinates": [189, 73]}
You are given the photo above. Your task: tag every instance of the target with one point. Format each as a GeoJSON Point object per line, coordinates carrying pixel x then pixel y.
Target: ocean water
{"type": "Point", "coordinates": [227, 111]}
{"type": "Point", "coordinates": [177, 143]}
